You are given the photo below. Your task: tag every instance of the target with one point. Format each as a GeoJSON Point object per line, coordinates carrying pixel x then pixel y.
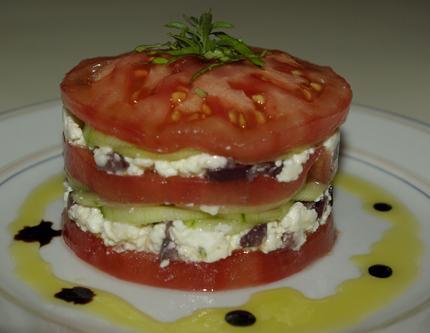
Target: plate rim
{"type": "Point", "coordinates": [386, 115]}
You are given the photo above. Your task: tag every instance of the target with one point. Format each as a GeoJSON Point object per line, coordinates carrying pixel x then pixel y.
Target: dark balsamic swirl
{"type": "Point", "coordinates": [240, 318]}
{"type": "Point", "coordinates": [42, 233]}
{"type": "Point", "coordinates": [76, 295]}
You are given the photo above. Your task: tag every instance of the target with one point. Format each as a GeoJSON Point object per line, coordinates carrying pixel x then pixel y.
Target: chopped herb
{"type": "Point", "coordinates": [200, 37]}
{"type": "Point", "coordinates": [160, 60]}
{"type": "Point", "coordinates": [200, 92]}
{"type": "Point", "coordinates": [202, 253]}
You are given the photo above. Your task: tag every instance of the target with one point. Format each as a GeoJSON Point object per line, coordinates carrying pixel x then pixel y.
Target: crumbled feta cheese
{"type": "Point", "coordinates": [164, 263]}
{"type": "Point", "coordinates": [192, 242]}
{"type": "Point", "coordinates": [133, 169]}
{"type": "Point", "coordinates": [212, 210]}
{"type": "Point", "coordinates": [331, 143]}
{"type": "Point", "coordinates": [195, 165]}
{"type": "Point", "coordinates": [327, 210]}
{"type": "Point", "coordinates": [101, 156]}
{"type": "Point", "coordinates": [67, 190]}
{"type": "Point", "coordinates": [91, 219]}
{"type": "Point", "coordinates": [72, 131]}
{"type": "Point", "coordinates": [293, 166]}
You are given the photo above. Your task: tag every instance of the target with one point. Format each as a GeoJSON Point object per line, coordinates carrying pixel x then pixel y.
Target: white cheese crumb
{"type": "Point", "coordinates": [67, 190]}
{"type": "Point", "coordinates": [101, 155]}
{"type": "Point", "coordinates": [192, 242]}
{"type": "Point", "coordinates": [72, 131]}
{"type": "Point", "coordinates": [331, 143]}
{"type": "Point", "coordinates": [212, 210]}
{"type": "Point", "coordinates": [195, 165]}
{"type": "Point", "coordinates": [293, 166]}
{"type": "Point", "coordinates": [133, 169]}
{"type": "Point", "coordinates": [164, 263]}
{"type": "Point", "coordinates": [327, 210]}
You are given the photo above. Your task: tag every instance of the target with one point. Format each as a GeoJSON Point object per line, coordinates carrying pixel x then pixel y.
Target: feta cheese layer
{"type": "Point", "coordinates": [72, 131]}
{"type": "Point", "coordinates": [195, 165]}
{"type": "Point", "coordinates": [195, 244]}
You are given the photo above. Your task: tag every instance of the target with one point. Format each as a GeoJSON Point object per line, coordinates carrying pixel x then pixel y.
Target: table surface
{"type": "Point", "coordinates": [381, 47]}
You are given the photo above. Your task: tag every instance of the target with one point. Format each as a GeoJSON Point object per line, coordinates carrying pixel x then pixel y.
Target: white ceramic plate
{"type": "Point", "coordinates": [385, 149]}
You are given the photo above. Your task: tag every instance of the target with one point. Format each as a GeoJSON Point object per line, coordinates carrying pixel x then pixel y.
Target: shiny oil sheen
{"type": "Point", "coordinates": [278, 310]}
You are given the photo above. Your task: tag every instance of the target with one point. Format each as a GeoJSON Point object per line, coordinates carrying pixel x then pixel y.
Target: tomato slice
{"type": "Point", "coordinates": [155, 189]}
{"type": "Point", "coordinates": [241, 269]}
{"type": "Point", "coordinates": [238, 110]}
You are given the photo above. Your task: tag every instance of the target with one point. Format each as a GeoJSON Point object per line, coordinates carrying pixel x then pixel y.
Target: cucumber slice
{"type": "Point", "coordinates": [240, 222]}
{"type": "Point", "coordinates": [88, 199]}
{"type": "Point", "coordinates": [268, 215]}
{"type": "Point", "coordinates": [211, 224]}
{"type": "Point", "coordinates": [146, 214]}
{"type": "Point", "coordinates": [152, 214]}
{"type": "Point", "coordinates": [310, 192]}
{"type": "Point", "coordinates": [78, 121]}
{"type": "Point", "coordinates": [246, 209]}
{"type": "Point", "coordinates": [76, 185]}
{"type": "Point", "coordinates": [140, 215]}
{"type": "Point", "coordinates": [149, 214]}
{"type": "Point", "coordinates": [99, 139]}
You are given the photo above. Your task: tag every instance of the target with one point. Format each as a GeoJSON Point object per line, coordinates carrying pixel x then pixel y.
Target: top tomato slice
{"type": "Point", "coordinates": [238, 110]}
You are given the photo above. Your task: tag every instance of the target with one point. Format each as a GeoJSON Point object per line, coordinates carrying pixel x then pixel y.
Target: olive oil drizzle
{"type": "Point", "coordinates": [275, 310]}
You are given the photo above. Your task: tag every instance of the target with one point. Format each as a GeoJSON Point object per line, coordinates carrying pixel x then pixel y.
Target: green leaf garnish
{"type": "Point", "coordinates": [200, 37]}
{"type": "Point", "coordinates": [160, 60]}
{"type": "Point", "coordinates": [200, 92]}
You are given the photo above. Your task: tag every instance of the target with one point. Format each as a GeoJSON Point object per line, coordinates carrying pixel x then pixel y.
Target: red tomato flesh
{"type": "Point", "coordinates": [155, 189]}
{"type": "Point", "coordinates": [248, 113]}
{"type": "Point", "coordinates": [240, 270]}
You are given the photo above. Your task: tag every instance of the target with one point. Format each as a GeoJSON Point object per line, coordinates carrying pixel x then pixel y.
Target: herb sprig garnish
{"type": "Point", "coordinates": [200, 37]}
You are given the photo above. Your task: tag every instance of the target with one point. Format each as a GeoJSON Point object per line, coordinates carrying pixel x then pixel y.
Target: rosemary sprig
{"type": "Point", "coordinates": [201, 37]}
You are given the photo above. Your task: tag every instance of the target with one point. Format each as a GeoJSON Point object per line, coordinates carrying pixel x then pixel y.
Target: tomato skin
{"type": "Point", "coordinates": [155, 189]}
{"type": "Point", "coordinates": [239, 270]}
{"type": "Point", "coordinates": [113, 96]}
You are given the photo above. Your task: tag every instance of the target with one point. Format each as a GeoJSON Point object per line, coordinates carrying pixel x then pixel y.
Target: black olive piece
{"type": "Point", "coordinates": [234, 172]}
{"type": "Point", "coordinates": [269, 169]}
{"type": "Point", "coordinates": [115, 162]}
{"type": "Point", "coordinates": [255, 236]}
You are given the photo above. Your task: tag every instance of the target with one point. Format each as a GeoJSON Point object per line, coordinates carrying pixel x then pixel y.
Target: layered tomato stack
{"type": "Point", "coordinates": [217, 182]}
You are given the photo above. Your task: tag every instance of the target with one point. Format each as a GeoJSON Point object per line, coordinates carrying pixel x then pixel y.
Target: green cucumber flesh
{"type": "Point", "coordinates": [211, 224]}
{"type": "Point", "coordinates": [238, 217]}
{"type": "Point", "coordinates": [155, 214]}
{"type": "Point", "coordinates": [96, 138]}
{"type": "Point", "coordinates": [149, 214]}
{"type": "Point", "coordinates": [310, 192]}
{"type": "Point", "coordinates": [89, 199]}
{"type": "Point", "coordinates": [76, 185]}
